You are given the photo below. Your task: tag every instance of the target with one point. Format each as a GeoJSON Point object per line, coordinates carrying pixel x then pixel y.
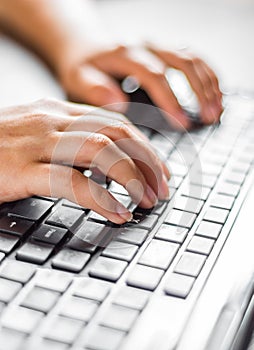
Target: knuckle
{"type": "Point", "coordinates": [100, 141]}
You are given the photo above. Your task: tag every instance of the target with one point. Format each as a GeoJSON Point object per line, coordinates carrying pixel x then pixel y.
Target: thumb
{"type": "Point", "coordinates": [90, 85]}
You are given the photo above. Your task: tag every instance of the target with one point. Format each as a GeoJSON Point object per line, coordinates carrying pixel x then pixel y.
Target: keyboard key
{"type": "Point", "coordinates": [172, 233]}
{"type": "Point", "coordinates": [79, 308]}
{"type": "Point", "coordinates": [144, 277]}
{"type": "Point", "coordinates": [17, 271]}
{"type": "Point", "coordinates": [132, 235]}
{"type": "Point", "coordinates": [31, 208]}
{"type": "Point", "coordinates": [222, 201]}
{"type": "Point", "coordinates": [200, 245]}
{"type": "Point", "coordinates": [190, 264]}
{"type": "Point", "coordinates": [180, 218]}
{"type": "Point", "coordinates": [235, 177]}
{"type": "Point", "coordinates": [11, 340]}
{"type": "Point", "coordinates": [178, 285]}
{"type": "Point", "coordinates": [161, 206]}
{"type": "Point", "coordinates": [46, 344]}
{"type": "Point", "coordinates": [175, 181]}
{"type": "Point", "coordinates": [132, 298]}
{"type": "Point", "coordinates": [68, 203]}
{"type": "Point", "coordinates": [40, 299]}
{"type": "Point", "coordinates": [196, 191]}
{"type": "Point", "coordinates": [230, 189]}
{"type": "Point", "coordinates": [7, 242]}
{"type": "Point", "coordinates": [49, 234]}
{"type": "Point", "coordinates": [103, 338]}
{"type": "Point", "coordinates": [64, 217]}
{"type": "Point", "coordinates": [159, 254]}
{"type": "Point", "coordinates": [2, 256]}
{"type": "Point", "coordinates": [188, 204]}
{"type": "Point", "coordinates": [209, 229]}
{"type": "Point", "coordinates": [97, 217]}
{"type": "Point", "coordinates": [119, 317]}
{"type": "Point", "coordinates": [107, 268]}
{"type": "Point", "coordinates": [34, 252]}
{"type": "Point", "coordinates": [203, 180]}
{"type": "Point", "coordinates": [8, 290]}
{"type": "Point", "coordinates": [117, 188]}
{"type": "Point", "coordinates": [15, 226]}
{"type": "Point", "coordinates": [63, 329]}
{"type": "Point", "coordinates": [51, 279]}
{"type": "Point", "coordinates": [21, 319]}
{"type": "Point", "coordinates": [120, 250]}
{"type": "Point", "coordinates": [216, 215]}
{"type": "Point", "coordinates": [89, 234]}
{"type": "Point", "coordinates": [144, 221]}
{"type": "Point", "coordinates": [70, 260]}
{"type": "Point", "coordinates": [91, 289]}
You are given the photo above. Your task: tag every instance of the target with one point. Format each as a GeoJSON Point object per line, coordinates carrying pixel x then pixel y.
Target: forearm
{"type": "Point", "coordinates": [57, 29]}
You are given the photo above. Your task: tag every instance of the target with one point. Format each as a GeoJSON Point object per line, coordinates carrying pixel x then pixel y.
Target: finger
{"type": "Point", "coordinates": [65, 182]}
{"type": "Point", "coordinates": [90, 85]}
{"type": "Point", "coordinates": [202, 79]}
{"type": "Point", "coordinates": [130, 143]}
{"type": "Point", "coordinates": [85, 149]}
{"type": "Point", "coordinates": [150, 72]}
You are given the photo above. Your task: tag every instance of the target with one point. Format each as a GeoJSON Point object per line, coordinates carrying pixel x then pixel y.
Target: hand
{"type": "Point", "coordinates": [91, 78]}
{"type": "Point", "coordinates": [40, 142]}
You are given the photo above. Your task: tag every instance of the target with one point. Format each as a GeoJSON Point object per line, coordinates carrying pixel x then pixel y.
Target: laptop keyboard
{"type": "Point", "coordinates": [60, 263]}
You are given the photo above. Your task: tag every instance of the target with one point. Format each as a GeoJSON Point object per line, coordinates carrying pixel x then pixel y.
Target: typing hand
{"type": "Point", "coordinates": [92, 79]}
{"type": "Point", "coordinates": [41, 142]}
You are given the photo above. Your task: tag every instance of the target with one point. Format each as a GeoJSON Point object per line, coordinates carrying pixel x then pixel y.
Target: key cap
{"type": "Point", "coordinates": [8, 290]}
{"type": "Point", "coordinates": [70, 260]}
{"type": "Point", "coordinates": [31, 208]}
{"type": "Point", "coordinates": [10, 339]}
{"type": "Point", "coordinates": [188, 204]}
{"type": "Point", "coordinates": [144, 277]}
{"type": "Point", "coordinates": [91, 289]}
{"type": "Point", "coordinates": [49, 234]}
{"type": "Point", "coordinates": [161, 206]}
{"type": "Point", "coordinates": [216, 215]}
{"type": "Point", "coordinates": [190, 264]}
{"type": "Point", "coordinates": [7, 242]}
{"type": "Point", "coordinates": [51, 279]}
{"type": "Point", "coordinates": [63, 329]}
{"type": "Point", "coordinates": [235, 177]}
{"type": "Point", "coordinates": [120, 250]}
{"type": "Point", "coordinates": [200, 245]}
{"type": "Point", "coordinates": [15, 226]}
{"type": "Point", "coordinates": [172, 233]}
{"type": "Point", "coordinates": [203, 180]}
{"type": "Point", "coordinates": [64, 217]}
{"type": "Point", "coordinates": [40, 299]}
{"type": "Point", "coordinates": [196, 191]}
{"type": "Point", "coordinates": [107, 268]}
{"type": "Point", "coordinates": [46, 344]}
{"type": "Point", "coordinates": [144, 221]}
{"type": "Point", "coordinates": [1, 308]}
{"type": "Point", "coordinates": [68, 203]}
{"type": "Point", "coordinates": [175, 181]}
{"type": "Point", "coordinates": [209, 229]}
{"type": "Point", "coordinates": [177, 169]}
{"type": "Point", "coordinates": [178, 285]}
{"type": "Point", "coordinates": [229, 189]}
{"type": "Point", "coordinates": [119, 317]}
{"type": "Point", "coordinates": [89, 234]}
{"type": "Point", "coordinates": [34, 252]}
{"type": "Point", "coordinates": [132, 235]}
{"type": "Point", "coordinates": [97, 217]}
{"type": "Point", "coordinates": [132, 298]}
{"type": "Point", "coordinates": [79, 308]}
{"type": "Point", "coordinates": [222, 201]}
{"type": "Point", "coordinates": [2, 256]}
{"type": "Point", "coordinates": [21, 319]}
{"type": "Point", "coordinates": [117, 188]}
{"type": "Point", "coordinates": [180, 218]}
{"type": "Point", "coordinates": [103, 338]}
{"type": "Point", "coordinates": [159, 254]}
{"type": "Point", "coordinates": [17, 271]}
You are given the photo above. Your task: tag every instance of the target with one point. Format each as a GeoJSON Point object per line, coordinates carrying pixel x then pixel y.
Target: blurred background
{"type": "Point", "coordinates": [220, 31]}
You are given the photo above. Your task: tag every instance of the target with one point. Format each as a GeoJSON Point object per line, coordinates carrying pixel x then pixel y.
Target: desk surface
{"type": "Point", "coordinates": [221, 31]}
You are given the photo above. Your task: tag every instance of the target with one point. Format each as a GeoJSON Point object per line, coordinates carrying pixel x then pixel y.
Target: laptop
{"type": "Point", "coordinates": [179, 276]}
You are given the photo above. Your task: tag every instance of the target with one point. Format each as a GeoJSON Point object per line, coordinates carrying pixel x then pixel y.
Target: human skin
{"type": "Point", "coordinates": [40, 143]}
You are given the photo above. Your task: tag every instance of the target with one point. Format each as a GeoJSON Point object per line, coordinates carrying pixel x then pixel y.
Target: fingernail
{"type": "Point", "coordinates": [123, 212]}
{"type": "Point", "coordinates": [151, 195]}
{"type": "Point", "coordinates": [163, 189]}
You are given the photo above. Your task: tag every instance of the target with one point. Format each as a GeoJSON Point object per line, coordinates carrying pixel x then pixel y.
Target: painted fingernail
{"type": "Point", "coordinates": [163, 189]}
{"type": "Point", "coordinates": [151, 195]}
{"type": "Point", "coordinates": [123, 212]}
